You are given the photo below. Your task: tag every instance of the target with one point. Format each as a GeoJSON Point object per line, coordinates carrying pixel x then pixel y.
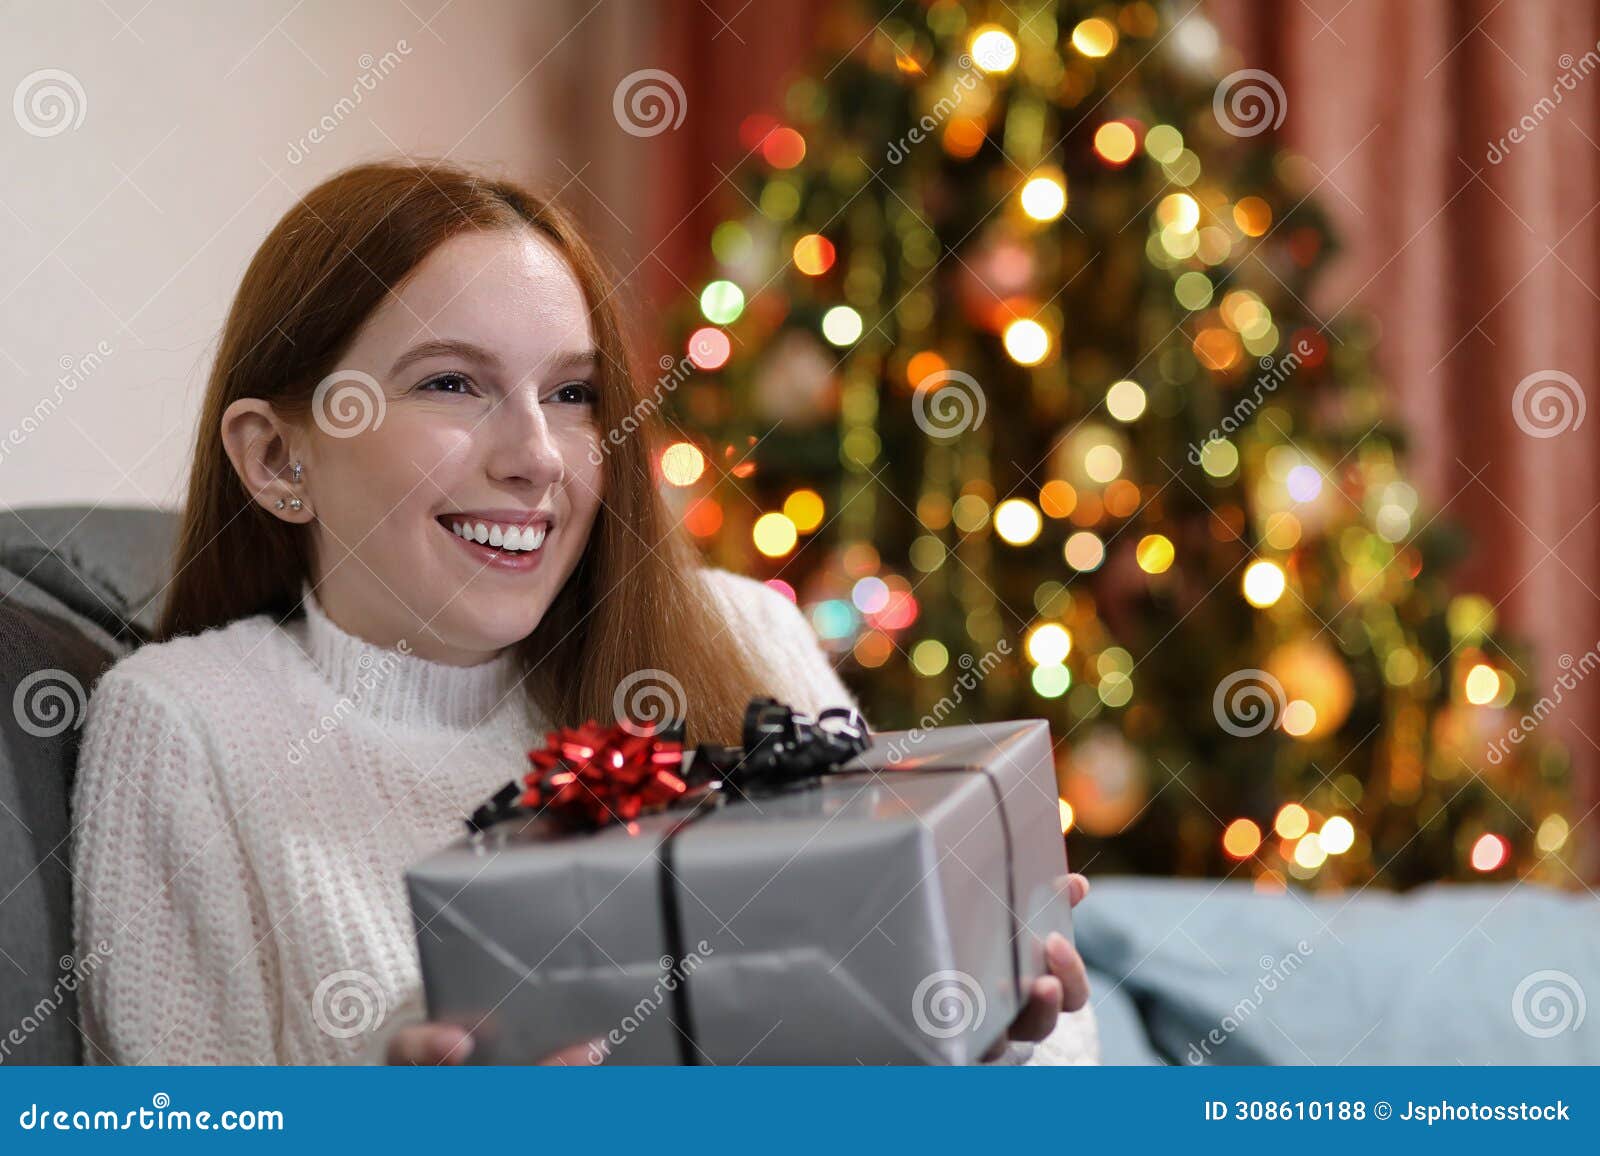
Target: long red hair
{"type": "Point", "coordinates": [318, 275]}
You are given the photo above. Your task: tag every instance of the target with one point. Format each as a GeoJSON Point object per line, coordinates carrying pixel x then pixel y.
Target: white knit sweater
{"type": "Point", "coordinates": [247, 802]}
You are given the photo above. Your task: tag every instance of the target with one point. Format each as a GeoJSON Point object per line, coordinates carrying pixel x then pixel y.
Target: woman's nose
{"type": "Point", "coordinates": [523, 447]}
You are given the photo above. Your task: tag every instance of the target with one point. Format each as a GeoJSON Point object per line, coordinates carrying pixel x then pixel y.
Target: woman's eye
{"type": "Point", "coordinates": [575, 393]}
{"type": "Point", "coordinates": [444, 381]}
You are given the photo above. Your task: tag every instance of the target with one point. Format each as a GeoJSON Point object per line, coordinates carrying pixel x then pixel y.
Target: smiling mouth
{"type": "Point", "coordinates": [509, 538]}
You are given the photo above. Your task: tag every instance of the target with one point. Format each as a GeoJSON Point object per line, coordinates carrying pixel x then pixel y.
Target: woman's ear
{"type": "Point", "coordinates": [263, 447]}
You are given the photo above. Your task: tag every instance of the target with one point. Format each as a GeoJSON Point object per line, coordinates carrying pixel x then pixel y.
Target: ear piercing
{"type": "Point", "coordinates": [296, 473]}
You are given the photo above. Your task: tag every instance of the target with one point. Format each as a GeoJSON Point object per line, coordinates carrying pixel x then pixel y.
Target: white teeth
{"type": "Point", "coordinates": [510, 538]}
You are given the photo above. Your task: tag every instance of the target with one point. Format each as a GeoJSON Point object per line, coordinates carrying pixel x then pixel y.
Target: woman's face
{"type": "Point", "coordinates": [485, 360]}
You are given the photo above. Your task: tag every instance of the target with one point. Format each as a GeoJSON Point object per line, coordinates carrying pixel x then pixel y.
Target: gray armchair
{"type": "Point", "coordinates": [79, 588]}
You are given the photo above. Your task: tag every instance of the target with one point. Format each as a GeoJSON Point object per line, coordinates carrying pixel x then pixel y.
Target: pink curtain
{"type": "Point", "coordinates": [1457, 143]}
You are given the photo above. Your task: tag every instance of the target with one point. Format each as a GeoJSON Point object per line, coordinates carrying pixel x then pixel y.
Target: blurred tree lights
{"type": "Point", "coordinates": [1003, 373]}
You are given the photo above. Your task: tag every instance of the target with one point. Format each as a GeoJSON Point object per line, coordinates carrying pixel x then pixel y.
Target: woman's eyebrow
{"type": "Point", "coordinates": [445, 347]}
{"type": "Point", "coordinates": [574, 360]}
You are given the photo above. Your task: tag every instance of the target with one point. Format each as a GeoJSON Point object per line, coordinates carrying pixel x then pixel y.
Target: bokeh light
{"type": "Point", "coordinates": [841, 325]}
{"type": "Point", "coordinates": [709, 348]}
{"type": "Point", "coordinates": [813, 254]}
{"type": "Point", "coordinates": [1115, 143]}
{"type": "Point", "coordinates": [1292, 821]}
{"type": "Point", "coordinates": [1094, 37]}
{"type": "Point", "coordinates": [805, 509]}
{"type": "Point", "coordinates": [1338, 835]}
{"type": "Point", "coordinates": [1155, 553]}
{"type": "Point", "coordinates": [1044, 198]}
{"type": "Point", "coordinates": [1489, 853]}
{"type": "Point", "coordinates": [1017, 521]}
{"type": "Point", "coordinates": [1241, 839]}
{"type": "Point", "coordinates": [1125, 401]}
{"type": "Point", "coordinates": [1264, 583]}
{"type": "Point", "coordinates": [682, 464]}
{"type": "Point", "coordinates": [1049, 643]}
{"type": "Point", "coordinates": [1482, 685]}
{"type": "Point", "coordinates": [1084, 551]}
{"type": "Point", "coordinates": [1027, 342]}
{"type": "Point", "coordinates": [992, 48]}
{"type": "Point", "coordinates": [774, 535]}
{"type": "Point", "coordinates": [722, 302]}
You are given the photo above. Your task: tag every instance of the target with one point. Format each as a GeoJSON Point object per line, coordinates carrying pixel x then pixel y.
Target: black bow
{"type": "Point", "coordinates": [783, 747]}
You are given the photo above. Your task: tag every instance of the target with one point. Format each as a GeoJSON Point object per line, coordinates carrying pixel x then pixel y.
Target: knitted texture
{"type": "Point", "coordinates": [247, 802]}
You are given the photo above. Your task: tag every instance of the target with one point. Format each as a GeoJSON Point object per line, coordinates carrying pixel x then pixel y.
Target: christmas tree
{"type": "Point", "coordinates": [1002, 369]}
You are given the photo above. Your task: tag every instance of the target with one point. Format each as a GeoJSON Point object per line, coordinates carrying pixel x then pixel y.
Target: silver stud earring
{"type": "Point", "coordinates": [281, 503]}
{"type": "Point", "coordinates": [296, 472]}
{"type": "Point", "coordinates": [296, 504]}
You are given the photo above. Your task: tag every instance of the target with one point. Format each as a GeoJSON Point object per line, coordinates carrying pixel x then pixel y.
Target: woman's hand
{"type": "Point", "coordinates": [439, 1043]}
{"type": "Point", "coordinates": [1065, 989]}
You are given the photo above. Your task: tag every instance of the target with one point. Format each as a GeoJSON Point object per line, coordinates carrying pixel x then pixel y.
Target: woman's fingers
{"type": "Point", "coordinates": [1038, 1016]}
{"type": "Point", "coordinates": [1067, 966]}
{"type": "Point", "coordinates": [1077, 888]}
{"type": "Point", "coordinates": [430, 1044]}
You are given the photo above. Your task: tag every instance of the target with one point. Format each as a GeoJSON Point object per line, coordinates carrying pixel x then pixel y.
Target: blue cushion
{"type": "Point", "coordinates": [1445, 974]}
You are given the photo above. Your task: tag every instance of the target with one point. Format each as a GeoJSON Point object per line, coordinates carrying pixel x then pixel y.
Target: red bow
{"type": "Point", "coordinates": [591, 775]}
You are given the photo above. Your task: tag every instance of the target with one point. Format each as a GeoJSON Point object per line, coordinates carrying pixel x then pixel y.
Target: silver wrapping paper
{"type": "Point", "coordinates": [883, 915]}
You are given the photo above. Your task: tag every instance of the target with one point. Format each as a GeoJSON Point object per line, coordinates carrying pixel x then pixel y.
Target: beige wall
{"type": "Point", "coordinates": [123, 238]}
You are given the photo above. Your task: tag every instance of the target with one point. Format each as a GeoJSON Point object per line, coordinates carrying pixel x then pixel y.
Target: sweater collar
{"type": "Point", "coordinates": [403, 689]}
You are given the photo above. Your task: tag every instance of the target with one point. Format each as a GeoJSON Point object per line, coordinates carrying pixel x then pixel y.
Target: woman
{"type": "Point", "coordinates": [411, 545]}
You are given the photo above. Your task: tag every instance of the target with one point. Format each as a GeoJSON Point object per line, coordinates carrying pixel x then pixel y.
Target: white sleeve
{"type": "Point", "coordinates": [782, 643]}
{"type": "Point", "coordinates": [163, 893]}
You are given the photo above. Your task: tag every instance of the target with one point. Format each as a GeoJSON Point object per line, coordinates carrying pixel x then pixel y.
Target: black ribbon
{"type": "Point", "coordinates": [782, 748]}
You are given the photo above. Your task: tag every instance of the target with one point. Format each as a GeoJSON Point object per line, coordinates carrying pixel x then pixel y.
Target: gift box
{"type": "Point", "coordinates": [892, 910]}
